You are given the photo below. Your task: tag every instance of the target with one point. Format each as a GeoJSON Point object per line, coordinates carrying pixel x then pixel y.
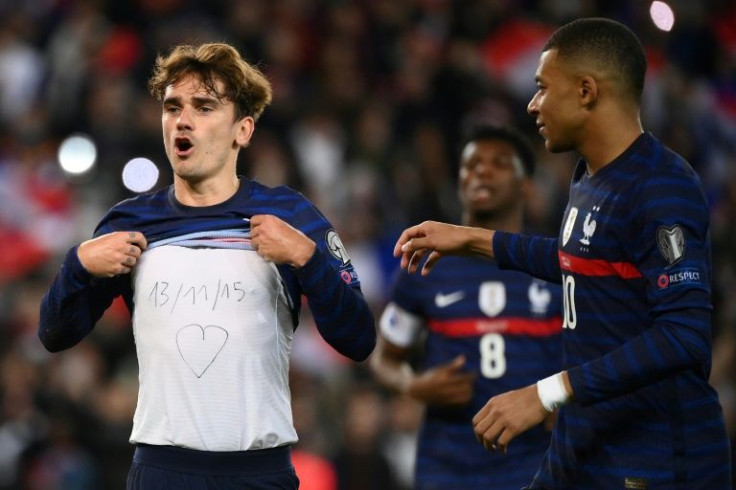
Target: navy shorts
{"type": "Point", "coordinates": [175, 468]}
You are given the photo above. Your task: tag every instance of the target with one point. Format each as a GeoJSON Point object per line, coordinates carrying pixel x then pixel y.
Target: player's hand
{"type": "Point", "coordinates": [444, 384]}
{"type": "Point", "coordinates": [279, 242]}
{"type": "Point", "coordinates": [112, 254]}
{"type": "Point", "coordinates": [434, 239]}
{"type": "Point", "coordinates": [506, 416]}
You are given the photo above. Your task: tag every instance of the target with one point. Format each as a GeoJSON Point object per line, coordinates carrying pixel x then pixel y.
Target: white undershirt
{"type": "Point", "coordinates": [213, 334]}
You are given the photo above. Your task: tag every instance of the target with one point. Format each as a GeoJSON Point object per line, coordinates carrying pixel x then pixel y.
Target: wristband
{"type": "Point", "coordinates": [552, 392]}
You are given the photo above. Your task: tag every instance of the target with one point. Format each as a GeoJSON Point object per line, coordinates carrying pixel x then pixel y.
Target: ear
{"type": "Point", "coordinates": [527, 188]}
{"type": "Point", "coordinates": [245, 128]}
{"type": "Point", "coordinates": [587, 91]}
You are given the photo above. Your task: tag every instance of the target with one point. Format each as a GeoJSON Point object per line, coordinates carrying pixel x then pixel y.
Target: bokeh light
{"type": "Point", "coordinates": [77, 154]}
{"type": "Point", "coordinates": [140, 175]}
{"type": "Point", "coordinates": [662, 15]}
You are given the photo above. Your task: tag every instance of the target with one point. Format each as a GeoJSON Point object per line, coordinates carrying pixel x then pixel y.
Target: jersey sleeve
{"type": "Point", "coordinates": [76, 300]}
{"type": "Point", "coordinates": [537, 256]}
{"type": "Point", "coordinates": [668, 242]}
{"type": "Point", "coordinates": [331, 286]}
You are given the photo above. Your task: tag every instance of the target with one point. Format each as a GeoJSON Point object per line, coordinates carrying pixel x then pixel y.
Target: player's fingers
{"type": "Point", "coordinates": [133, 251]}
{"type": "Point", "coordinates": [414, 261]}
{"type": "Point", "coordinates": [405, 258]}
{"type": "Point", "coordinates": [463, 392]}
{"type": "Point", "coordinates": [504, 439]}
{"type": "Point", "coordinates": [458, 361]}
{"type": "Point", "coordinates": [256, 220]}
{"type": "Point", "coordinates": [481, 423]}
{"type": "Point", "coordinates": [138, 239]}
{"type": "Point", "coordinates": [416, 243]}
{"type": "Point", "coordinates": [405, 237]}
{"type": "Point", "coordinates": [434, 256]}
{"type": "Point", "coordinates": [482, 414]}
{"type": "Point", "coordinates": [490, 436]}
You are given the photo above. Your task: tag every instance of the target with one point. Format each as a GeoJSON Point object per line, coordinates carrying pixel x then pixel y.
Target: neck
{"type": "Point", "coordinates": [607, 138]}
{"type": "Point", "coordinates": [509, 221]}
{"type": "Point", "coordinates": [205, 192]}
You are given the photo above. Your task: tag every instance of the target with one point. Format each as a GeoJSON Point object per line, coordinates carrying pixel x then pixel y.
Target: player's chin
{"type": "Point", "coordinates": [557, 146]}
{"type": "Point", "coordinates": [479, 201]}
{"type": "Point", "coordinates": [483, 209]}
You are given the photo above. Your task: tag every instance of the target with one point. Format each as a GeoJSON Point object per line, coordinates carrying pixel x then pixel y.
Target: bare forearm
{"type": "Point", "coordinates": [480, 241]}
{"type": "Point", "coordinates": [394, 375]}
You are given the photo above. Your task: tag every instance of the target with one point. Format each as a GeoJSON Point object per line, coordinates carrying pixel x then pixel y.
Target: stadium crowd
{"type": "Point", "coordinates": [370, 100]}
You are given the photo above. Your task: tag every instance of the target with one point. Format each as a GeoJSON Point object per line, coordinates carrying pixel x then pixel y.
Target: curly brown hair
{"type": "Point", "coordinates": [244, 84]}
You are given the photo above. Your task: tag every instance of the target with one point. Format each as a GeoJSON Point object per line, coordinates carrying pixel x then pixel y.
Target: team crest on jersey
{"type": "Point", "coordinates": [539, 297]}
{"type": "Point", "coordinates": [569, 224]}
{"type": "Point", "coordinates": [336, 248]}
{"type": "Point", "coordinates": [671, 243]}
{"type": "Point", "coordinates": [492, 298]}
{"type": "Point", "coordinates": [589, 226]}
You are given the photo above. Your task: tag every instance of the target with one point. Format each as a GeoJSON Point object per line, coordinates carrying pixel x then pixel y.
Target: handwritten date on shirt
{"type": "Point", "coordinates": [165, 294]}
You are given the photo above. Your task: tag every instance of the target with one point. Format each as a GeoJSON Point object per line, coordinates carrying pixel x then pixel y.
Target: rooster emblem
{"type": "Point", "coordinates": [588, 228]}
{"type": "Point", "coordinates": [539, 297]}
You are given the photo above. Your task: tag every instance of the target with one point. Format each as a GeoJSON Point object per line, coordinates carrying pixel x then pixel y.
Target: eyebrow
{"type": "Point", "coordinates": [198, 100]}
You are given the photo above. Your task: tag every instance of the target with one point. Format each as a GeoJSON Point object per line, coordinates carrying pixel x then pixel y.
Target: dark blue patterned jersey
{"type": "Point", "coordinates": [212, 320]}
{"type": "Point", "coordinates": [634, 261]}
{"type": "Point", "coordinates": [508, 327]}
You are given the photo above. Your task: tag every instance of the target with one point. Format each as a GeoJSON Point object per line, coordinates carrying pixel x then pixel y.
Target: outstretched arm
{"type": "Point", "coordinates": [436, 239]}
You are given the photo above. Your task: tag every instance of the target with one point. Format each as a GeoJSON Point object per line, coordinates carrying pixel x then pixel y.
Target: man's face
{"type": "Point", "coordinates": [556, 106]}
{"type": "Point", "coordinates": [201, 137]}
{"type": "Point", "coordinates": [490, 177]}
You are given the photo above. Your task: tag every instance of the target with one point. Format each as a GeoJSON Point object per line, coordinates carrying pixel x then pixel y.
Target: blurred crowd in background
{"type": "Point", "coordinates": [371, 100]}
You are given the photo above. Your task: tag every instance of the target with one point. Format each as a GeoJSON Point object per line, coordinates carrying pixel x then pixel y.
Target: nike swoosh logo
{"type": "Point", "coordinates": [444, 300]}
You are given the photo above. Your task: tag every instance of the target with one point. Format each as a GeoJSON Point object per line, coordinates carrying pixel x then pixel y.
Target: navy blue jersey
{"type": "Point", "coordinates": [508, 327]}
{"type": "Point", "coordinates": [76, 300]}
{"type": "Point", "coordinates": [634, 261]}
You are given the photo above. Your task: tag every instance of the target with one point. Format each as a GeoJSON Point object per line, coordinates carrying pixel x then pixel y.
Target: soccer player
{"type": "Point", "coordinates": [633, 257]}
{"type": "Point", "coordinates": [481, 331]}
{"type": "Point", "coordinates": [213, 270]}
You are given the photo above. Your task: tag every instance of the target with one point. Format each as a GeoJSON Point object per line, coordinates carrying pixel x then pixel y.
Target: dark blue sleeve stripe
{"type": "Point", "coordinates": [533, 255]}
{"type": "Point", "coordinates": [342, 316]}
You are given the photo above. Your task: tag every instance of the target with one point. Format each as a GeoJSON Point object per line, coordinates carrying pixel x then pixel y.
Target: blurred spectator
{"type": "Point", "coordinates": [360, 461]}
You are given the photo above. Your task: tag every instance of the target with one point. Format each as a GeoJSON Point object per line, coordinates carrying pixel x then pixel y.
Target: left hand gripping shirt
{"type": "Point", "coordinates": [213, 321]}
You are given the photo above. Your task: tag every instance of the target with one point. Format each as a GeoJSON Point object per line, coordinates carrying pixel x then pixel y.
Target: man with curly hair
{"type": "Point", "coordinates": [213, 270]}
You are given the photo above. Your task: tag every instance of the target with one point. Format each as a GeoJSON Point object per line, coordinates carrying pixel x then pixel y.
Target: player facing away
{"type": "Point", "coordinates": [212, 269]}
{"type": "Point", "coordinates": [481, 330]}
{"type": "Point", "coordinates": [633, 257]}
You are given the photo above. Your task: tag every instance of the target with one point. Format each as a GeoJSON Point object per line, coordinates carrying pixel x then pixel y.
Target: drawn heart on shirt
{"type": "Point", "coordinates": [199, 347]}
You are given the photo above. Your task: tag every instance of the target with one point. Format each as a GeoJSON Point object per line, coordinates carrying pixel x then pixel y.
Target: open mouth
{"type": "Point", "coordinates": [480, 193]}
{"type": "Point", "coordinates": [183, 146]}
